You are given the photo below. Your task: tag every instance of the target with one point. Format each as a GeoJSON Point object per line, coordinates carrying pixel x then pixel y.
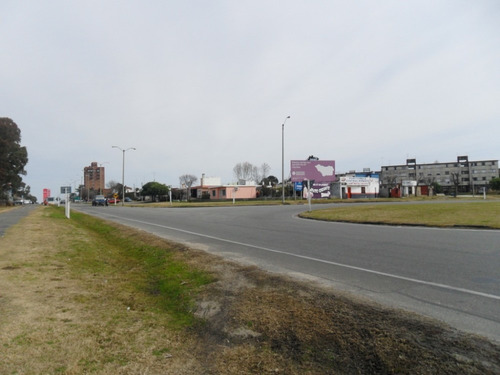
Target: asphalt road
{"type": "Point", "coordinates": [12, 216]}
{"type": "Point", "coordinates": [452, 275]}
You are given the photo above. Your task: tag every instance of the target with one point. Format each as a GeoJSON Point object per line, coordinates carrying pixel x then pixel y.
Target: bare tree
{"type": "Point", "coordinates": [247, 171]}
{"type": "Point", "coordinates": [244, 171]}
{"type": "Point", "coordinates": [455, 178]}
{"type": "Point", "coordinates": [115, 187]}
{"type": "Point", "coordinates": [264, 171]}
{"type": "Point", "coordinates": [255, 174]}
{"type": "Point", "coordinates": [186, 181]}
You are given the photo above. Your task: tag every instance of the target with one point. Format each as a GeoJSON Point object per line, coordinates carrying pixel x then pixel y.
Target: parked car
{"type": "Point", "coordinates": [113, 200]}
{"type": "Point", "coordinates": [127, 199]}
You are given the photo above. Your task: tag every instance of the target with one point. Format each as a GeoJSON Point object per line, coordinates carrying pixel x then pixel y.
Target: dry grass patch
{"type": "Point", "coordinates": [57, 317]}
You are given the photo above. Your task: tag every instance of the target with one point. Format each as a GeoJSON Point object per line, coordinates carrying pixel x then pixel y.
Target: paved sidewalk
{"type": "Point", "coordinates": [11, 217]}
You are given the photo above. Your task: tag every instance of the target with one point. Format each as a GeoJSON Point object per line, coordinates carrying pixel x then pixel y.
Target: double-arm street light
{"type": "Point", "coordinates": [123, 169]}
{"type": "Point", "coordinates": [283, 159]}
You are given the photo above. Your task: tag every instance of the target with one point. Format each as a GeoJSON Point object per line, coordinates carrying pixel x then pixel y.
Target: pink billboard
{"type": "Point", "coordinates": [46, 194]}
{"type": "Point", "coordinates": [317, 170]}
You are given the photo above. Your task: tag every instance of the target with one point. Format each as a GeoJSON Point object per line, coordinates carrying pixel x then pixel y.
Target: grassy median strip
{"type": "Point", "coordinates": [80, 296]}
{"type": "Point", "coordinates": [461, 214]}
{"type": "Point", "coordinates": [151, 270]}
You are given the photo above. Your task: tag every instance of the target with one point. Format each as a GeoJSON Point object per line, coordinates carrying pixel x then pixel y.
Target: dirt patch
{"type": "Point", "coordinates": [278, 325]}
{"type": "Point", "coordinates": [250, 321]}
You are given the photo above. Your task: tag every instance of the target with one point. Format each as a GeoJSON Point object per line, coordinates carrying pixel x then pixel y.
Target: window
{"type": "Point", "coordinates": [363, 190]}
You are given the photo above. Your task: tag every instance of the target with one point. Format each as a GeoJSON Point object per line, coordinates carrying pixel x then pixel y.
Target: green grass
{"type": "Point", "coordinates": [150, 272]}
{"type": "Point", "coordinates": [484, 214]}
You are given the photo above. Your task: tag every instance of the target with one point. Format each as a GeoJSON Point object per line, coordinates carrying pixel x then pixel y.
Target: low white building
{"type": "Point", "coordinates": [359, 185]}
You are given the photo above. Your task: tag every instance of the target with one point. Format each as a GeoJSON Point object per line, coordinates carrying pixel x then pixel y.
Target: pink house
{"type": "Point", "coordinates": [212, 189]}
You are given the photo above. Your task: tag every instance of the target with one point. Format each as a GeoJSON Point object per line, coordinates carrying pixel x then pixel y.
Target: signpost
{"type": "Point", "coordinates": [234, 194]}
{"type": "Point", "coordinates": [66, 190]}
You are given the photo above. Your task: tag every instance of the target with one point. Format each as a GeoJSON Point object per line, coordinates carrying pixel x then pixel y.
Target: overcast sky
{"type": "Point", "coordinates": [199, 86]}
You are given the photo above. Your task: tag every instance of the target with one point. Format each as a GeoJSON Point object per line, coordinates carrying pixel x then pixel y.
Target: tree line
{"type": "Point", "coordinates": [243, 172]}
{"type": "Point", "coordinates": [13, 159]}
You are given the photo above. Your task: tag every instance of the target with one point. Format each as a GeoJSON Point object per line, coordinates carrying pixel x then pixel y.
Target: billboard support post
{"type": "Point", "coordinates": [309, 194]}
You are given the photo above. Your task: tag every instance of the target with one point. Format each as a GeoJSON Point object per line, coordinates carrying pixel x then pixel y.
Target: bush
{"type": "Point", "coordinates": [495, 184]}
{"type": "Point", "coordinates": [438, 189]}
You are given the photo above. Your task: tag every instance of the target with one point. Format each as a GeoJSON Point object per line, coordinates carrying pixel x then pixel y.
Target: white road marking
{"type": "Point", "coordinates": [417, 281]}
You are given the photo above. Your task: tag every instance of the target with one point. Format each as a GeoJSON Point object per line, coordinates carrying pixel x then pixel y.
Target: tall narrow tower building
{"type": "Point", "coordinates": [94, 178]}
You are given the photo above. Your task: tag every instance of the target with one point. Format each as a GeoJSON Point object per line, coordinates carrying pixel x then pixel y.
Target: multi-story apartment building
{"type": "Point", "coordinates": [94, 178]}
{"type": "Point", "coordinates": [460, 176]}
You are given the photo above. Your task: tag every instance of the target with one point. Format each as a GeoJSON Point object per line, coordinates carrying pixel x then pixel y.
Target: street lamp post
{"type": "Point", "coordinates": [283, 160]}
{"type": "Point", "coordinates": [123, 169]}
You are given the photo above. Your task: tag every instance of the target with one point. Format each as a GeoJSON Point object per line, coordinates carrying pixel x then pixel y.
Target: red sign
{"type": "Point", "coordinates": [46, 194]}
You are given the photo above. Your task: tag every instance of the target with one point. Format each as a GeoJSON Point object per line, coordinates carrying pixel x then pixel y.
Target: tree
{"type": "Point", "coordinates": [115, 187]}
{"type": "Point", "coordinates": [186, 181]}
{"type": "Point", "coordinates": [25, 192]}
{"type": "Point", "coordinates": [267, 184]}
{"type": "Point", "coordinates": [437, 188]}
{"type": "Point", "coordinates": [495, 183]}
{"type": "Point", "coordinates": [455, 178]}
{"type": "Point", "coordinates": [264, 172]}
{"type": "Point", "coordinates": [270, 181]}
{"type": "Point", "coordinates": [13, 157]}
{"type": "Point", "coordinates": [154, 189]}
{"type": "Point", "coordinates": [247, 172]}
{"type": "Point", "coordinates": [244, 171]}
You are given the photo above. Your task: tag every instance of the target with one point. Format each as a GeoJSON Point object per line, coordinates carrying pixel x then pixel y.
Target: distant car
{"type": "Point", "coordinates": [52, 200]}
{"type": "Point", "coordinates": [113, 200]}
{"type": "Point", "coordinates": [127, 199]}
{"type": "Point", "coordinates": [99, 200]}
